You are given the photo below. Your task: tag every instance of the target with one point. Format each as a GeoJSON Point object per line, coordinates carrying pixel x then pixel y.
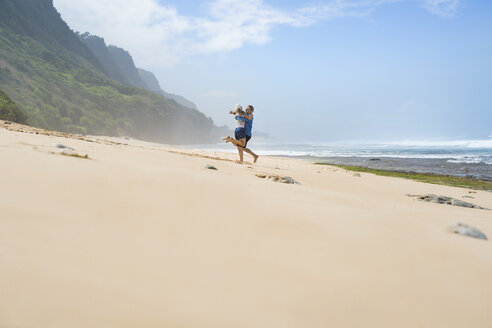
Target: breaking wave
{"type": "Point", "coordinates": [458, 151]}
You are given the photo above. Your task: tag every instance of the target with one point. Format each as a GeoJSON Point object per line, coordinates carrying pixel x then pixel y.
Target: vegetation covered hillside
{"type": "Point", "coordinates": [9, 111]}
{"type": "Point", "coordinates": [61, 85]}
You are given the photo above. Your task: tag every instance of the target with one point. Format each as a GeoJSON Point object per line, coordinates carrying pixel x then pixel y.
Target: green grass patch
{"type": "Point", "coordinates": [447, 180]}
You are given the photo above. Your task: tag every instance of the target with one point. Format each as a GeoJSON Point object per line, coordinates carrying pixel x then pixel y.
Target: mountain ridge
{"type": "Point", "coordinates": [61, 85]}
{"type": "Point", "coordinates": [119, 65]}
{"type": "Point", "coordinates": [153, 84]}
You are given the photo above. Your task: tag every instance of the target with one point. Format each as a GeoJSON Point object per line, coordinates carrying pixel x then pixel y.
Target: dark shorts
{"type": "Point", "coordinates": [247, 139]}
{"type": "Point", "coordinates": [240, 133]}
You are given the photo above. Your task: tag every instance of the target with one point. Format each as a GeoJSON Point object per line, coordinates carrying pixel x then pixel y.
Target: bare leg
{"type": "Point", "coordinates": [241, 149]}
{"type": "Point", "coordinates": [235, 142]}
{"type": "Point", "coordinates": [240, 144]}
{"type": "Point", "coordinates": [255, 157]}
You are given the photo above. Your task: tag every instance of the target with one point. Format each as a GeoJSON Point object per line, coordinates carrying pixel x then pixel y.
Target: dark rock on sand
{"type": "Point", "coordinates": [466, 230]}
{"type": "Point", "coordinates": [63, 147]}
{"type": "Point", "coordinates": [374, 159]}
{"type": "Point", "coordinates": [210, 167]}
{"type": "Point", "coordinates": [445, 200]}
{"type": "Point", "coordinates": [277, 178]}
{"type": "Point", "coordinates": [287, 180]}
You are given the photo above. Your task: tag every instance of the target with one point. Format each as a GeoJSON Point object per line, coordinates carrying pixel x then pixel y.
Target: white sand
{"type": "Point", "coordinates": [138, 236]}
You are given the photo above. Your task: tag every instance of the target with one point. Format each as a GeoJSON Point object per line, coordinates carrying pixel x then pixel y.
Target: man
{"type": "Point", "coordinates": [243, 131]}
{"type": "Point", "coordinates": [248, 125]}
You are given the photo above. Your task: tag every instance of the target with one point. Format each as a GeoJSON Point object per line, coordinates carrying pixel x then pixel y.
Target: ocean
{"type": "Point", "coordinates": [465, 158]}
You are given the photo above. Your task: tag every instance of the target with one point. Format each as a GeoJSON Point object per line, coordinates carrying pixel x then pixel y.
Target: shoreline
{"type": "Point", "coordinates": [467, 182]}
{"type": "Point", "coordinates": [460, 162]}
{"type": "Point", "coordinates": [143, 234]}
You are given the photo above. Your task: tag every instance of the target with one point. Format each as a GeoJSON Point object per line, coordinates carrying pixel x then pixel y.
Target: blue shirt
{"type": "Point", "coordinates": [248, 124]}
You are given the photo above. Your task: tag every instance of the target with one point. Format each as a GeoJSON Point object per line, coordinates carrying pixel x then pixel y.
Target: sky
{"type": "Point", "coordinates": [315, 70]}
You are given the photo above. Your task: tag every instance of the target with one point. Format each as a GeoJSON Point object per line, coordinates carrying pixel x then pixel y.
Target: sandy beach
{"type": "Point", "coordinates": [143, 235]}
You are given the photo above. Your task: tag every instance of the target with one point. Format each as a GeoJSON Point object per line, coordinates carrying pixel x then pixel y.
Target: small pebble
{"type": "Point", "coordinates": [210, 167]}
{"type": "Point", "coordinates": [63, 147]}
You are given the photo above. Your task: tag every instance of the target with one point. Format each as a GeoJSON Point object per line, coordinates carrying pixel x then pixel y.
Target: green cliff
{"type": "Point", "coordinates": [61, 85]}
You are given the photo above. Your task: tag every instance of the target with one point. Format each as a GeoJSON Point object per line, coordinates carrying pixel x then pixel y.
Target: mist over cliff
{"type": "Point", "coordinates": [61, 82]}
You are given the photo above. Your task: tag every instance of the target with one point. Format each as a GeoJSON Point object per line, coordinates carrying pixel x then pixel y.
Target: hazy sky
{"type": "Point", "coordinates": [315, 70]}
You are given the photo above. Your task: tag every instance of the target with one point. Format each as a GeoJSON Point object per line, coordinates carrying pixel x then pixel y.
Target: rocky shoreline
{"type": "Point", "coordinates": [480, 171]}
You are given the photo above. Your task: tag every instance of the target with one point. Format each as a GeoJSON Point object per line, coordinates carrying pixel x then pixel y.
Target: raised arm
{"type": "Point", "coordinates": [240, 118]}
{"type": "Point", "coordinates": [246, 116]}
